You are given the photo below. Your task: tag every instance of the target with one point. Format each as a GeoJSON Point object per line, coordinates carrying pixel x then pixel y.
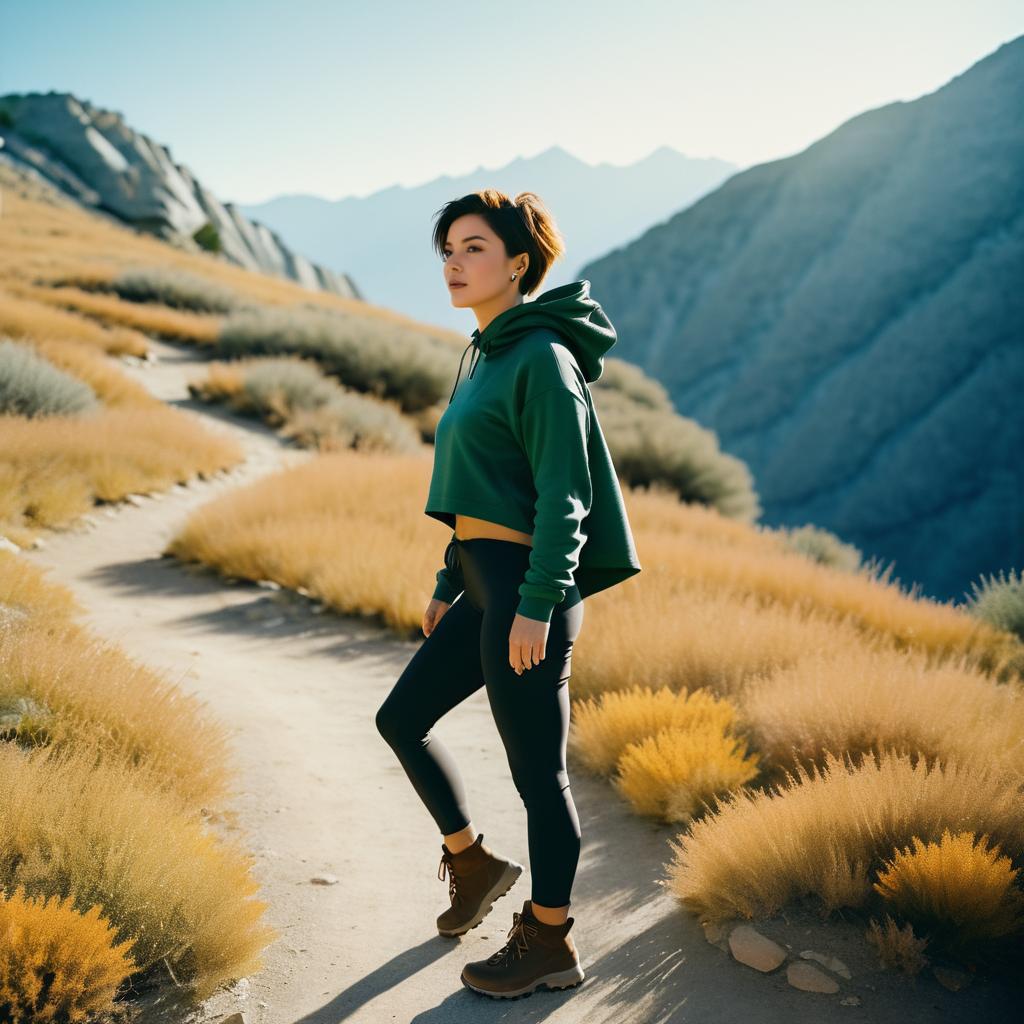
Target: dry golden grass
{"type": "Point", "coordinates": [113, 311]}
{"type": "Point", "coordinates": [680, 772]}
{"type": "Point", "coordinates": [221, 380]}
{"type": "Point", "coordinates": [100, 831]}
{"type": "Point", "coordinates": [53, 469]}
{"type": "Point", "coordinates": [344, 526]}
{"type": "Point", "coordinates": [828, 830]}
{"type": "Point", "coordinates": [82, 691]}
{"type": "Point", "coordinates": [57, 243]}
{"type": "Point", "coordinates": [694, 636]}
{"type": "Point", "coordinates": [25, 590]}
{"type": "Point", "coordinates": [23, 318]}
{"type": "Point", "coordinates": [350, 528]}
{"type": "Point", "coordinates": [778, 577]}
{"type": "Point", "coordinates": [604, 726]}
{"type": "Point", "coordinates": [91, 694]}
{"type": "Point", "coordinates": [112, 387]}
{"type": "Point", "coordinates": [857, 699]}
{"type": "Point", "coordinates": [957, 888]}
{"type": "Point", "coordinates": [39, 933]}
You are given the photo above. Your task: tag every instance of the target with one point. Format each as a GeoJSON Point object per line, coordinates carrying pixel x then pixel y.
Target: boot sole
{"type": "Point", "coordinates": [561, 979]}
{"type": "Point", "coordinates": [508, 878]}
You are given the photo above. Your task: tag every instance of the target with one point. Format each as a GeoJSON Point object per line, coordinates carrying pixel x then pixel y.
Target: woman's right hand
{"type": "Point", "coordinates": [433, 614]}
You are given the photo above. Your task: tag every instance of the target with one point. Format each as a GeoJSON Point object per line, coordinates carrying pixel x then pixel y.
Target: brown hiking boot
{"type": "Point", "coordinates": [536, 954]}
{"type": "Point", "coordinates": [476, 878]}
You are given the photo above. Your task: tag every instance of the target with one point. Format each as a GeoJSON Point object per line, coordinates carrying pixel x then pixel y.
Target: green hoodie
{"type": "Point", "coordinates": [520, 444]}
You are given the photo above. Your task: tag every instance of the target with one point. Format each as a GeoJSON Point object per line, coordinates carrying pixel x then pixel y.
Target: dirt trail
{"type": "Point", "coordinates": [318, 791]}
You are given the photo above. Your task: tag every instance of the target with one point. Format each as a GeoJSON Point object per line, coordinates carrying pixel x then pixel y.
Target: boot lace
{"type": "Point", "coordinates": [448, 864]}
{"type": "Point", "coordinates": [517, 944]}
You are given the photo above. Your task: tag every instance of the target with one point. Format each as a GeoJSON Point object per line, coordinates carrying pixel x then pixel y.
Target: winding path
{"type": "Point", "coordinates": [318, 791]}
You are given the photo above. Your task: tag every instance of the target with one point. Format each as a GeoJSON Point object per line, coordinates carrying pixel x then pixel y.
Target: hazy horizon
{"type": "Point", "coordinates": [264, 99]}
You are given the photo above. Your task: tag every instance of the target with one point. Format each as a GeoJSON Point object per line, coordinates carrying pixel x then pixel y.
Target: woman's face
{"type": "Point", "coordinates": [475, 259]}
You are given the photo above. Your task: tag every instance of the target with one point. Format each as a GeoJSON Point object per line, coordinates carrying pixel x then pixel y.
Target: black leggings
{"type": "Point", "coordinates": [467, 649]}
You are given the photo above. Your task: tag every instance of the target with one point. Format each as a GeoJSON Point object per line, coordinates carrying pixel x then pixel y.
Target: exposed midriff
{"type": "Point", "coordinates": [468, 527]}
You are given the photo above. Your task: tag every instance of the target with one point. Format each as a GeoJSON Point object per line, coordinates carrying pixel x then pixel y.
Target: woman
{"type": "Point", "coordinates": [523, 477]}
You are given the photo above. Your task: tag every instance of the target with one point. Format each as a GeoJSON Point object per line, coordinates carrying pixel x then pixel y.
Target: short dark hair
{"type": "Point", "coordinates": [524, 225]}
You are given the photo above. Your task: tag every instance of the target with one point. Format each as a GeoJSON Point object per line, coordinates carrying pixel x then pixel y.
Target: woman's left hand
{"type": "Point", "coordinates": [527, 643]}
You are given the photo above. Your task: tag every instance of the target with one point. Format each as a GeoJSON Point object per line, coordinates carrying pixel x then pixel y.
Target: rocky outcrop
{"type": "Point", "coordinates": [93, 156]}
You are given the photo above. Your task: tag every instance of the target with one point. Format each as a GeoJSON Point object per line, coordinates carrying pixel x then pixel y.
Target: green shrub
{"type": "Point", "coordinates": [208, 238]}
{"type": "Point", "coordinates": [999, 602]}
{"type": "Point", "coordinates": [32, 386]}
{"type": "Point", "coordinates": [368, 354]}
{"type": "Point", "coordinates": [656, 447]}
{"type": "Point", "coordinates": [176, 288]}
{"type": "Point", "coordinates": [822, 546]}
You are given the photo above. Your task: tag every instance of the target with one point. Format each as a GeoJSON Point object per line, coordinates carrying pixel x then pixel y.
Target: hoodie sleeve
{"type": "Point", "coordinates": [555, 428]}
{"type": "Point", "coordinates": [449, 579]}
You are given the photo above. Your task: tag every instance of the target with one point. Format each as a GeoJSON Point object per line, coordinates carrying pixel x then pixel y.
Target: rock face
{"type": "Point", "coordinates": [850, 321]}
{"type": "Point", "coordinates": [93, 156]}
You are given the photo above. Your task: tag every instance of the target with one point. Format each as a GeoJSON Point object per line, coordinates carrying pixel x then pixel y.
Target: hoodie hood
{"type": "Point", "coordinates": [567, 309]}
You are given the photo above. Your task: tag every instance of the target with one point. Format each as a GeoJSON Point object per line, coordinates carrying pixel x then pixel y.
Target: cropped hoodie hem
{"type": "Point", "coordinates": [520, 444]}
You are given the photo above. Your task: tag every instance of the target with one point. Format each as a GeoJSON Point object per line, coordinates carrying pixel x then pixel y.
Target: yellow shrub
{"type": "Point", "coordinates": [57, 964]}
{"type": "Point", "coordinates": [962, 891]}
{"type": "Point", "coordinates": [829, 827]}
{"type": "Point", "coordinates": [603, 726]}
{"type": "Point", "coordinates": [167, 882]}
{"type": "Point", "coordinates": [671, 774]}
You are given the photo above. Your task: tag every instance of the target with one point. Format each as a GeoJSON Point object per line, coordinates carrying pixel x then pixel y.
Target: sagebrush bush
{"type": "Point", "coordinates": [679, 772]}
{"type": "Point", "coordinates": [32, 386]}
{"type": "Point", "coordinates": [365, 353]}
{"type": "Point", "coordinates": [658, 445]}
{"type": "Point", "coordinates": [603, 726]}
{"type": "Point", "coordinates": [177, 288]}
{"type": "Point", "coordinates": [999, 602]}
{"type": "Point", "coordinates": [957, 891]}
{"type": "Point", "coordinates": [823, 546]}
{"type": "Point", "coordinates": [630, 380]}
{"type": "Point", "coordinates": [314, 410]}
{"type": "Point", "coordinates": [112, 386]}
{"type": "Point", "coordinates": [57, 964]}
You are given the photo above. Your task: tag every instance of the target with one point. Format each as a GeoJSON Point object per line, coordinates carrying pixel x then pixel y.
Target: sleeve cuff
{"type": "Point", "coordinates": [536, 608]}
{"type": "Point", "coordinates": [444, 591]}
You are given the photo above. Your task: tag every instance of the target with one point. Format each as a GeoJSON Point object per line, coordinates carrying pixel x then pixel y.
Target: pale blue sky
{"type": "Point", "coordinates": [341, 98]}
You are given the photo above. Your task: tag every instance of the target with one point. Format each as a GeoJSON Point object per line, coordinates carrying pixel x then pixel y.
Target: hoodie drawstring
{"type": "Point", "coordinates": [472, 367]}
{"type": "Point", "coordinates": [459, 374]}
